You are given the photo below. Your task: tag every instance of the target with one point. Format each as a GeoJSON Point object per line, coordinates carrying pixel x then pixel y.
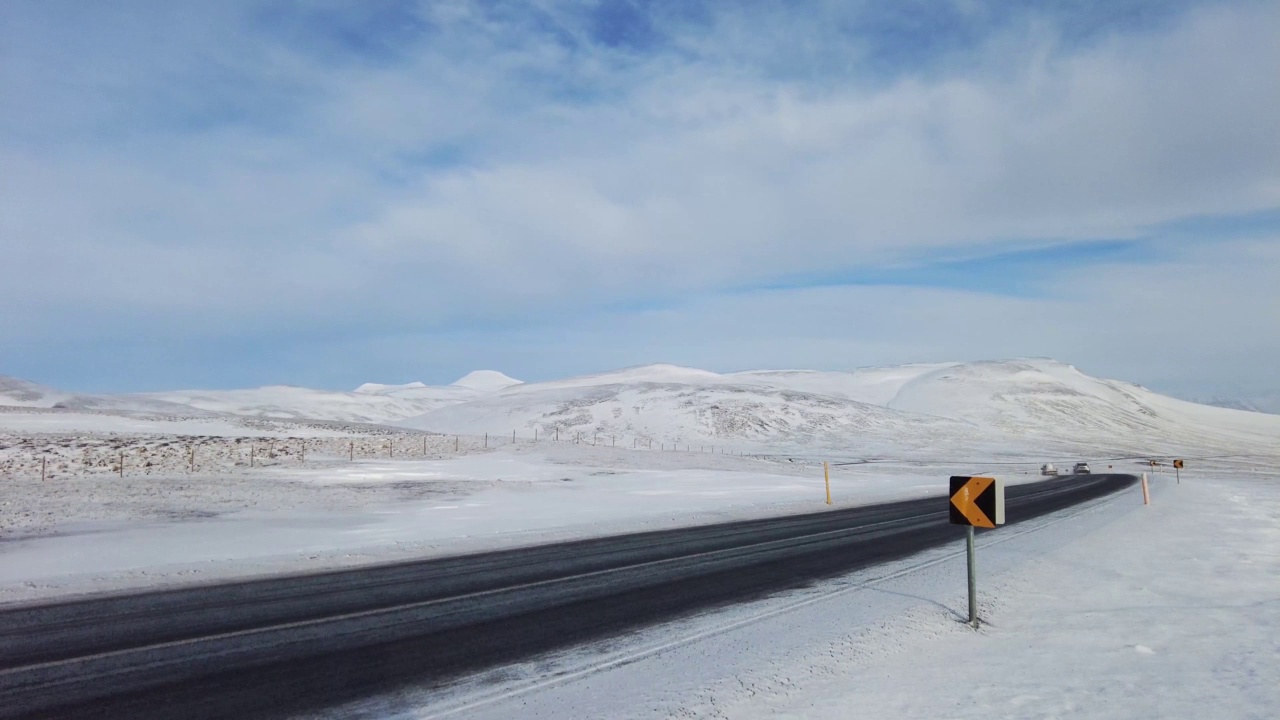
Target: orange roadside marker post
{"type": "Point", "coordinates": [826, 476]}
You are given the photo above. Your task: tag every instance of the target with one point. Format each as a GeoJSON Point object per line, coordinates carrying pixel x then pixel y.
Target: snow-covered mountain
{"type": "Point", "coordinates": [485, 381]}
{"type": "Point", "coordinates": [705, 413]}
{"type": "Point", "coordinates": [297, 403]}
{"type": "Point", "coordinates": [1037, 401]}
{"type": "Point", "coordinates": [23, 394]}
{"type": "Point", "coordinates": [1262, 403]}
{"type": "Point", "coordinates": [1025, 403]}
{"type": "Point", "coordinates": [370, 403]}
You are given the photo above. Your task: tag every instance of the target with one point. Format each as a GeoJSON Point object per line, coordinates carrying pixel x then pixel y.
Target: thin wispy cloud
{"type": "Point", "coordinates": [285, 184]}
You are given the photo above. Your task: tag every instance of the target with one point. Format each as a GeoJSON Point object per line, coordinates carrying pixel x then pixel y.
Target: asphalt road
{"type": "Point", "coordinates": [281, 646]}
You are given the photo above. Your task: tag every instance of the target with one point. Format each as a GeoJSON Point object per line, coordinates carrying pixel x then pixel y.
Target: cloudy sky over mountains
{"type": "Point", "coordinates": [241, 193]}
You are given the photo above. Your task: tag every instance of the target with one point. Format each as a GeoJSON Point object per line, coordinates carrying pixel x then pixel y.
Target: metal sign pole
{"type": "Point", "coordinates": [973, 582]}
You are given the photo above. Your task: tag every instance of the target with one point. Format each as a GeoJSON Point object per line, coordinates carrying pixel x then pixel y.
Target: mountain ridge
{"type": "Point", "coordinates": [889, 406]}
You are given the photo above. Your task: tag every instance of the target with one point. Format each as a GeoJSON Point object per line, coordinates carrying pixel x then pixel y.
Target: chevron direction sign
{"type": "Point", "coordinates": [976, 501]}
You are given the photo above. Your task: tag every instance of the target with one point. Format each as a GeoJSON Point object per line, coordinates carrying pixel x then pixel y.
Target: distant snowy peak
{"type": "Point", "coordinates": [664, 373]}
{"type": "Point", "coordinates": [486, 381]}
{"type": "Point", "coordinates": [1270, 405]}
{"type": "Point", "coordinates": [380, 389]}
{"type": "Point", "coordinates": [660, 374]}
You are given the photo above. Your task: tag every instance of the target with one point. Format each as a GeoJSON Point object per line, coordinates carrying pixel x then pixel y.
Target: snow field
{"type": "Point", "coordinates": [250, 493]}
{"type": "Point", "coordinates": [105, 532]}
{"type": "Point", "coordinates": [1173, 612]}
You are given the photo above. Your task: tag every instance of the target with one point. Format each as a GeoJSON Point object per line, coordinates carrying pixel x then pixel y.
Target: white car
{"type": "Point", "coordinates": [1048, 470]}
{"type": "Point", "coordinates": [1080, 469]}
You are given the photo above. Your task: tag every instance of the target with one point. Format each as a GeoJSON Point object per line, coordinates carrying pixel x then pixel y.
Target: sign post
{"type": "Point", "coordinates": [973, 578]}
{"type": "Point", "coordinates": [1177, 468]}
{"type": "Point", "coordinates": [975, 502]}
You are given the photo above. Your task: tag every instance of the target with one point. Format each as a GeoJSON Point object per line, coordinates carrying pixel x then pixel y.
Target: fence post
{"type": "Point", "coordinates": [513, 437]}
{"type": "Point", "coordinates": [486, 441]}
{"type": "Point", "coordinates": [43, 461]}
{"type": "Point", "coordinates": [121, 463]}
{"type": "Point", "coordinates": [252, 449]}
{"type": "Point", "coordinates": [351, 451]}
{"type": "Point", "coordinates": [455, 443]}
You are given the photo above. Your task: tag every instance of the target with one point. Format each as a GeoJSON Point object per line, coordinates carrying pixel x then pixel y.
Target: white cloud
{"type": "Point", "coordinates": [193, 178]}
{"type": "Point", "coordinates": [1195, 322]}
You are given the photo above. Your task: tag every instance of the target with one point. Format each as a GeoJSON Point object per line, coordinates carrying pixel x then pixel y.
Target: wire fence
{"type": "Point", "coordinates": [50, 457]}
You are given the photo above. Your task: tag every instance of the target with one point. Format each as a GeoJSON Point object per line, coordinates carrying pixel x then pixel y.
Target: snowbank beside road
{"type": "Point", "coordinates": [1174, 612]}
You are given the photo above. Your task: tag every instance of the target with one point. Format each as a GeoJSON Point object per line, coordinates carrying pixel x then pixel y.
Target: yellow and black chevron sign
{"type": "Point", "coordinates": [976, 501]}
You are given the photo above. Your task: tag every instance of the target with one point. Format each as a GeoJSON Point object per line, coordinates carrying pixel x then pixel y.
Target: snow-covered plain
{"type": "Point", "coordinates": [1109, 610]}
{"type": "Point", "coordinates": [278, 479]}
{"type": "Point", "coordinates": [104, 532]}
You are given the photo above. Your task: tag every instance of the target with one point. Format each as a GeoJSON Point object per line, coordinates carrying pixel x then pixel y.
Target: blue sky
{"type": "Point", "coordinates": [330, 193]}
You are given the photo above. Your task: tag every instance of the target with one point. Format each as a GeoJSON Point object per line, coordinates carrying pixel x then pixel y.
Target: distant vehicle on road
{"type": "Point", "coordinates": [1080, 469]}
{"type": "Point", "coordinates": [1048, 470]}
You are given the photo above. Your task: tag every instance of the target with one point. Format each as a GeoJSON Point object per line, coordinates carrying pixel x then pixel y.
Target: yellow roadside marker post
{"type": "Point", "coordinates": [826, 476]}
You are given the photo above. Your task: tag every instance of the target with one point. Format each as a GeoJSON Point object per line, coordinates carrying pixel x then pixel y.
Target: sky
{"type": "Point", "coordinates": [330, 193]}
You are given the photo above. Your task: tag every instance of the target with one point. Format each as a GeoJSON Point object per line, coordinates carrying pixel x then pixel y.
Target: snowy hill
{"type": "Point", "coordinates": [669, 412]}
{"type": "Point", "coordinates": [485, 381]}
{"type": "Point", "coordinates": [20, 393]}
{"type": "Point", "coordinates": [1264, 403]}
{"type": "Point", "coordinates": [285, 401]}
{"type": "Point", "coordinates": [371, 403]}
{"type": "Point", "coordinates": [380, 389]}
{"type": "Point", "coordinates": [963, 407]}
{"type": "Point", "coordinates": [1037, 402]}
{"type": "Point", "coordinates": [877, 386]}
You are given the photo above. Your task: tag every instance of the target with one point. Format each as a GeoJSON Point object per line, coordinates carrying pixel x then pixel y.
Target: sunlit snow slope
{"type": "Point", "coordinates": [975, 408]}
{"type": "Point", "coordinates": [1042, 402]}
